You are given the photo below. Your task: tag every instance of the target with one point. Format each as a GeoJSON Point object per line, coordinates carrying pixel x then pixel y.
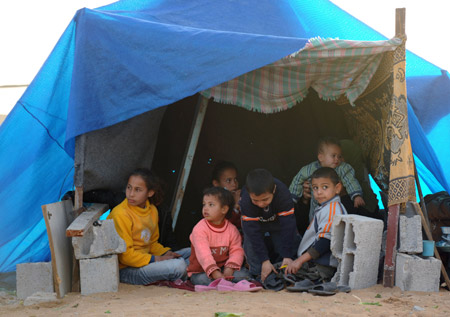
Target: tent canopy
{"type": "Point", "coordinates": [125, 59]}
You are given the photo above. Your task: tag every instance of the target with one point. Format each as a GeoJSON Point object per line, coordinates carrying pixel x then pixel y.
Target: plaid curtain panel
{"type": "Point", "coordinates": [331, 67]}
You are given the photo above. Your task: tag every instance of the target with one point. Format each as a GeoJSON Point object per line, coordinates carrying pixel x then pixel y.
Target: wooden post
{"type": "Point", "coordinates": [391, 246]}
{"type": "Point", "coordinates": [400, 14]}
{"type": "Point", "coordinates": [183, 177]}
{"type": "Point", "coordinates": [394, 210]}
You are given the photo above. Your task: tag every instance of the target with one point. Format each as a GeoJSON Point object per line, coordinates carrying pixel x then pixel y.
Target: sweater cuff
{"type": "Point", "coordinates": [313, 253]}
{"type": "Point", "coordinates": [152, 259]}
{"type": "Point", "coordinates": [233, 266]}
{"type": "Point", "coordinates": [211, 269]}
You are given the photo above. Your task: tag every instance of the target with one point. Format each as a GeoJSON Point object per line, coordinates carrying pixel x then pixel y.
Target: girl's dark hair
{"type": "Point", "coordinates": [220, 168]}
{"type": "Point", "coordinates": [153, 183]}
{"type": "Point", "coordinates": [224, 196]}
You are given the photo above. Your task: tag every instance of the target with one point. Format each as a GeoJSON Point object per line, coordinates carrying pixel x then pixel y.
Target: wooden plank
{"type": "Point", "coordinates": [78, 199]}
{"type": "Point", "coordinates": [188, 158]}
{"type": "Point", "coordinates": [391, 246]}
{"type": "Point", "coordinates": [430, 237]}
{"type": "Point", "coordinates": [57, 217]}
{"type": "Point", "coordinates": [82, 223]}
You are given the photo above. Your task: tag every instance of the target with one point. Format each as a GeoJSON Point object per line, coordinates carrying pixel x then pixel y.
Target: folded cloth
{"type": "Point", "coordinates": [274, 282]}
{"type": "Point", "coordinates": [180, 284]}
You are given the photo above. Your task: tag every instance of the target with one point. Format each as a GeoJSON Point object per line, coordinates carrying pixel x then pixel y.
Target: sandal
{"type": "Point", "coordinates": [302, 286]}
{"type": "Point", "coordinates": [241, 286]}
{"type": "Point", "coordinates": [212, 286]}
{"type": "Point", "coordinates": [327, 289]}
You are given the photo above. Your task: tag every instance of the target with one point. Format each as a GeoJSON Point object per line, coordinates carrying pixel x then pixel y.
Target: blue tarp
{"type": "Point", "coordinates": [132, 56]}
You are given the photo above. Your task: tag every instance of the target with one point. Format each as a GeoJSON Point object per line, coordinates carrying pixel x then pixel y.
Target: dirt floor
{"type": "Point", "coordinates": [133, 300]}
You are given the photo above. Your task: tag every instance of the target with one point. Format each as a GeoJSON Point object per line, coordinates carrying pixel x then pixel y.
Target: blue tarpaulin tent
{"type": "Point", "coordinates": [130, 57]}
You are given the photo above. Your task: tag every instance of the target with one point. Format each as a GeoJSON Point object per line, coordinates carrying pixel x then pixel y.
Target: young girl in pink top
{"type": "Point", "coordinates": [216, 248]}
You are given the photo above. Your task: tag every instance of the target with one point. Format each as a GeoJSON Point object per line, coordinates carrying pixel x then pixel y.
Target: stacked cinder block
{"type": "Point", "coordinates": [356, 244]}
{"type": "Point", "coordinates": [96, 246]}
{"type": "Point", "coordinates": [413, 272]}
{"type": "Point", "coordinates": [410, 231]}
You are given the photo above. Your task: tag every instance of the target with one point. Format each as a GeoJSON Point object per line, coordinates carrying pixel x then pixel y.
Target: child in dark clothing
{"type": "Point", "coordinates": [266, 207]}
{"type": "Point", "coordinates": [315, 244]}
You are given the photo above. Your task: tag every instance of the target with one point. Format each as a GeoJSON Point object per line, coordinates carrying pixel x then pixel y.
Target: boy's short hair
{"type": "Point", "coordinates": [223, 196]}
{"type": "Point", "coordinates": [260, 181]}
{"type": "Point", "coordinates": [326, 172]}
{"type": "Point", "coordinates": [325, 141]}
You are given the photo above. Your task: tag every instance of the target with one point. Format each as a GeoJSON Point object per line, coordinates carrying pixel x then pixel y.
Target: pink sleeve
{"type": "Point", "coordinates": [236, 254]}
{"type": "Point", "coordinates": [200, 240]}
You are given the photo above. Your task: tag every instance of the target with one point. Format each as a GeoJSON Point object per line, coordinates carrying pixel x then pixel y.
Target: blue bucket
{"type": "Point", "coordinates": [428, 248]}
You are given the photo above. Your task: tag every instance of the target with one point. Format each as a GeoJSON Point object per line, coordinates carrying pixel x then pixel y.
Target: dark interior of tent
{"type": "Point", "coordinates": [281, 142]}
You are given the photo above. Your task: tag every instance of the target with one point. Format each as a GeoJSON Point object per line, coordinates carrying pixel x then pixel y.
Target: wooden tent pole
{"type": "Point", "coordinates": [200, 112]}
{"type": "Point", "coordinates": [422, 201]}
{"type": "Point", "coordinates": [394, 210]}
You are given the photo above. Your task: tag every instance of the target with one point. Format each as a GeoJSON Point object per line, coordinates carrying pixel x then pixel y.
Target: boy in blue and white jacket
{"type": "Point", "coordinates": [315, 245]}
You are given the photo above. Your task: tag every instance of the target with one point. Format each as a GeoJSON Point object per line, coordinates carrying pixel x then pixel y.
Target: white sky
{"type": "Point", "coordinates": [29, 29]}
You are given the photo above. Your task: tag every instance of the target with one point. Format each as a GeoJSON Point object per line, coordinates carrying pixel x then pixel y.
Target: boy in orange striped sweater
{"type": "Point", "coordinates": [314, 248]}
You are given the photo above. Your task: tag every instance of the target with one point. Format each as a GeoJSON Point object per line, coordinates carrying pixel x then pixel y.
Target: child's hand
{"type": "Point", "coordinates": [216, 275]}
{"type": "Point", "coordinates": [294, 266]}
{"type": "Point", "coordinates": [306, 196]}
{"type": "Point", "coordinates": [286, 262]}
{"type": "Point", "coordinates": [159, 258]}
{"type": "Point", "coordinates": [228, 272]}
{"type": "Point", "coordinates": [359, 202]}
{"type": "Point", "coordinates": [174, 254]}
{"type": "Point", "coordinates": [266, 269]}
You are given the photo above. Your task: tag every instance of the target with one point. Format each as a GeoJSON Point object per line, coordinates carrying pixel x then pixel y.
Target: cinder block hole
{"type": "Point", "coordinates": [347, 267]}
{"type": "Point", "coordinates": [349, 239]}
{"type": "Point", "coordinates": [338, 234]}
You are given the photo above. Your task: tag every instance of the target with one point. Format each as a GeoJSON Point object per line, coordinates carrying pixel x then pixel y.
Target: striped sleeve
{"type": "Point", "coordinates": [349, 181]}
{"type": "Point", "coordinates": [296, 187]}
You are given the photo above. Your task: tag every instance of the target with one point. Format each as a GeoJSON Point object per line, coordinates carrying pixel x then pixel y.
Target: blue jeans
{"type": "Point", "coordinates": [273, 242]}
{"type": "Point", "coordinates": [157, 271]}
{"type": "Point", "coordinates": [203, 279]}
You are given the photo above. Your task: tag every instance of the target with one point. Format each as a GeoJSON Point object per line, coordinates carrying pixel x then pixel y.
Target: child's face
{"type": "Point", "coordinates": [137, 192]}
{"type": "Point", "coordinates": [212, 210]}
{"type": "Point", "coordinates": [228, 180]}
{"type": "Point", "coordinates": [330, 156]}
{"type": "Point", "coordinates": [263, 200]}
{"type": "Point", "coordinates": [324, 189]}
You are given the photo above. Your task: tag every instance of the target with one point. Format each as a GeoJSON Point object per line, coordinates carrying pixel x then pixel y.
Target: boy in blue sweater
{"type": "Point", "coordinates": [314, 248]}
{"type": "Point", "coordinates": [267, 214]}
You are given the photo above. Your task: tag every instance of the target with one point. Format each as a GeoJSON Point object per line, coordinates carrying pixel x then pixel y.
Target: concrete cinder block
{"type": "Point", "coordinates": [99, 275]}
{"type": "Point", "coordinates": [34, 277]}
{"type": "Point", "coordinates": [356, 244]}
{"type": "Point", "coordinates": [413, 273]}
{"type": "Point", "coordinates": [98, 241]}
{"type": "Point", "coordinates": [410, 234]}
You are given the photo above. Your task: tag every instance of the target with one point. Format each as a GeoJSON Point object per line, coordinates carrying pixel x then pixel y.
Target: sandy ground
{"type": "Point", "coordinates": [133, 300]}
